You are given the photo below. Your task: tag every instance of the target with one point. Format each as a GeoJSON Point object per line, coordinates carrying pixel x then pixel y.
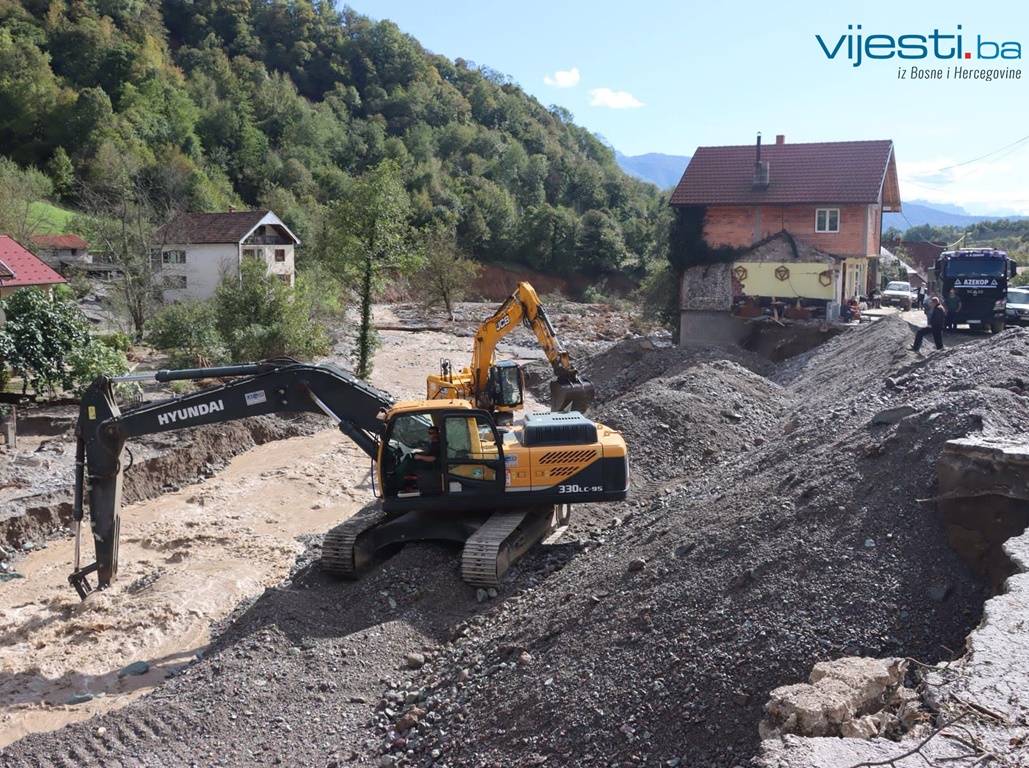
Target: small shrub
{"type": "Point", "coordinates": [119, 341]}
{"type": "Point", "coordinates": [93, 360]}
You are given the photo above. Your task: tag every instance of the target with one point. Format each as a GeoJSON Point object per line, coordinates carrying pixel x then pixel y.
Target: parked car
{"type": "Point", "coordinates": [899, 294]}
{"type": "Point", "coordinates": [1017, 312]}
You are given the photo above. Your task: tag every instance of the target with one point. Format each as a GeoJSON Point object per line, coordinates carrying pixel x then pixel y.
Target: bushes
{"type": "Point", "coordinates": [46, 341]}
{"type": "Point", "coordinates": [256, 318]}
{"type": "Point", "coordinates": [186, 331]}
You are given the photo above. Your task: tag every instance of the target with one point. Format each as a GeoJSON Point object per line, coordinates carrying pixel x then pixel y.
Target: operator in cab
{"type": "Point", "coordinates": [428, 465]}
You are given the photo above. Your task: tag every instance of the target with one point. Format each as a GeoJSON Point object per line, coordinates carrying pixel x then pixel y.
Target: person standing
{"type": "Point", "coordinates": [937, 318]}
{"type": "Point", "coordinates": [952, 303]}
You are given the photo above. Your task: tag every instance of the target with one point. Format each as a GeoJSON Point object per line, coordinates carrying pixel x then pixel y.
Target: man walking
{"type": "Point", "coordinates": [937, 319]}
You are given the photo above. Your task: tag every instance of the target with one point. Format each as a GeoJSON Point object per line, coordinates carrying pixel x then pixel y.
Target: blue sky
{"type": "Point", "coordinates": [669, 76]}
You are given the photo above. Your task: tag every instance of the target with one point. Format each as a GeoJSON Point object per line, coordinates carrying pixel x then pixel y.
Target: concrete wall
{"type": "Point", "coordinates": [207, 264]}
{"type": "Point", "coordinates": [711, 327]}
{"type": "Point", "coordinates": [204, 267]}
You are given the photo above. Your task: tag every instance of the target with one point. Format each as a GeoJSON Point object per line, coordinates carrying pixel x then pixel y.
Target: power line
{"type": "Point", "coordinates": [983, 157]}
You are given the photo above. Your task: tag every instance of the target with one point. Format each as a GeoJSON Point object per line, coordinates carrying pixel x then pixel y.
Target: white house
{"type": "Point", "coordinates": [194, 251]}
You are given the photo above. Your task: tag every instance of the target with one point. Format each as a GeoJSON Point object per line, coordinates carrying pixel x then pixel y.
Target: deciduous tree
{"type": "Point", "coordinates": [372, 238]}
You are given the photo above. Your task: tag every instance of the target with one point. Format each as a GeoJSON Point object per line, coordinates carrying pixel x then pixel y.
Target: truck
{"type": "Point", "coordinates": [979, 277]}
{"type": "Point", "coordinates": [496, 489]}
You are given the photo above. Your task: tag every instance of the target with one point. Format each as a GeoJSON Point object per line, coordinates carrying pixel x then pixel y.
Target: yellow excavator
{"type": "Point", "coordinates": [497, 489]}
{"type": "Point", "coordinates": [498, 387]}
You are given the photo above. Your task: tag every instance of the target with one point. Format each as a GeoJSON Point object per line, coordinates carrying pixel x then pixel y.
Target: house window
{"type": "Point", "coordinates": [174, 282]}
{"type": "Point", "coordinates": [173, 257]}
{"type": "Point", "coordinates": [280, 254]}
{"type": "Point", "coordinates": [827, 220]}
{"type": "Point", "coordinates": [252, 253]}
{"type": "Point", "coordinates": [286, 279]}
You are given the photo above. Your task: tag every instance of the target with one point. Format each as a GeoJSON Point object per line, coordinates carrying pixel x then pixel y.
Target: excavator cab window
{"type": "Point", "coordinates": [505, 384]}
{"type": "Point", "coordinates": [474, 460]}
{"type": "Point", "coordinates": [406, 434]}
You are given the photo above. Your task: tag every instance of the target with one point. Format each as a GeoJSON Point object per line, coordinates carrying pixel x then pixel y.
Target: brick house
{"type": "Point", "coordinates": [20, 269]}
{"type": "Point", "coordinates": [194, 251]}
{"type": "Point", "coordinates": [828, 198]}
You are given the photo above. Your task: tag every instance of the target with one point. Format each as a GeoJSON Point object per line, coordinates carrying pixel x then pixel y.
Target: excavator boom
{"type": "Point", "coordinates": [568, 391]}
{"type": "Point", "coordinates": [267, 387]}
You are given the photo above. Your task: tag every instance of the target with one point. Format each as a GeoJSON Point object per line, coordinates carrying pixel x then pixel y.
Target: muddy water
{"type": "Point", "coordinates": [187, 559]}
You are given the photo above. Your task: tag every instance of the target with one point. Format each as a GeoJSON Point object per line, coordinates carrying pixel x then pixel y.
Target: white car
{"type": "Point", "coordinates": [899, 294]}
{"type": "Point", "coordinates": [1017, 308]}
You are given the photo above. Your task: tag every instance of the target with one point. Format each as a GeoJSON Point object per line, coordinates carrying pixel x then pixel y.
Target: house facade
{"type": "Point", "coordinates": [21, 269]}
{"type": "Point", "coordinates": [194, 251]}
{"type": "Point", "coordinates": [826, 198]}
{"type": "Point", "coordinates": [60, 252]}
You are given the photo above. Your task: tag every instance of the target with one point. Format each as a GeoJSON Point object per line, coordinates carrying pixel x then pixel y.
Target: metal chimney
{"type": "Point", "coordinates": [760, 169]}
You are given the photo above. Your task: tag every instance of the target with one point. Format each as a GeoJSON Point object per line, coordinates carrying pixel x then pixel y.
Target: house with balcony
{"type": "Point", "coordinates": [788, 225]}
{"type": "Point", "coordinates": [194, 251]}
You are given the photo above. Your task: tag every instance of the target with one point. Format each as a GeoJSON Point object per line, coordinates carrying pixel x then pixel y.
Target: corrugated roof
{"type": "Point", "coordinates": [232, 227]}
{"type": "Point", "coordinates": [26, 269]}
{"type": "Point", "coordinates": [829, 172]}
{"type": "Point", "coordinates": [59, 241]}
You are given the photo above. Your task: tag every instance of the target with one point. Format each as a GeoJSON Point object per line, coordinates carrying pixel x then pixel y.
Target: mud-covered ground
{"type": "Point", "coordinates": [773, 523]}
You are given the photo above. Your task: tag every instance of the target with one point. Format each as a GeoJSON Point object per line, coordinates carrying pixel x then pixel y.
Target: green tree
{"type": "Point", "coordinates": [20, 189]}
{"type": "Point", "coordinates": [121, 215]}
{"type": "Point", "coordinates": [371, 236]}
{"type": "Point", "coordinates": [46, 341]}
{"type": "Point", "coordinates": [187, 331]}
{"type": "Point", "coordinates": [258, 316]}
{"type": "Point", "coordinates": [446, 274]}
{"type": "Point", "coordinates": [61, 173]}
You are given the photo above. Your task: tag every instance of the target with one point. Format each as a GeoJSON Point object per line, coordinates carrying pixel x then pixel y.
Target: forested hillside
{"type": "Point", "coordinates": [205, 104]}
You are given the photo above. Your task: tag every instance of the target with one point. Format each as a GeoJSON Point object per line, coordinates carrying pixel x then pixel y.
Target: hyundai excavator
{"type": "Point", "coordinates": [498, 386]}
{"type": "Point", "coordinates": [498, 489]}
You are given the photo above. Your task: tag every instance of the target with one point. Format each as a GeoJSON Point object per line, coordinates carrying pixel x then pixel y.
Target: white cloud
{"type": "Point", "coordinates": [605, 97]}
{"type": "Point", "coordinates": [981, 188]}
{"type": "Point", "coordinates": [566, 79]}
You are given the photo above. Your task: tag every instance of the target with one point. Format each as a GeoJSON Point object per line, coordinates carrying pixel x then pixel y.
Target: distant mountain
{"type": "Point", "coordinates": [663, 170]}
{"type": "Point", "coordinates": [918, 212]}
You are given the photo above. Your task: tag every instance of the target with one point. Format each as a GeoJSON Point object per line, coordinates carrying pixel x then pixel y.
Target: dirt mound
{"type": "Point", "coordinates": [652, 633]}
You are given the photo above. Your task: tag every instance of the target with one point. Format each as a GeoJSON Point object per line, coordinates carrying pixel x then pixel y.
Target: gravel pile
{"type": "Point", "coordinates": [780, 517]}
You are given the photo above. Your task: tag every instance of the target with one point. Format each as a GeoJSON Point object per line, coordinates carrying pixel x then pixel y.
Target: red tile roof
{"type": "Point", "coordinates": [829, 172]}
{"type": "Point", "coordinates": [59, 241]}
{"type": "Point", "coordinates": [26, 268]}
{"type": "Point", "coordinates": [232, 227]}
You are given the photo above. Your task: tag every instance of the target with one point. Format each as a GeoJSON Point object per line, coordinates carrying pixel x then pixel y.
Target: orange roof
{"type": "Point", "coordinates": [59, 241]}
{"type": "Point", "coordinates": [26, 269]}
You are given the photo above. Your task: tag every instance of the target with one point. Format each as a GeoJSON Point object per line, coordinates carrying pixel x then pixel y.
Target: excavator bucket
{"type": "Point", "coordinates": [568, 395]}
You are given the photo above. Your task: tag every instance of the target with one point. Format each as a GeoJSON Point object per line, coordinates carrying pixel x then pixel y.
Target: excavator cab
{"type": "Point", "coordinates": [505, 389]}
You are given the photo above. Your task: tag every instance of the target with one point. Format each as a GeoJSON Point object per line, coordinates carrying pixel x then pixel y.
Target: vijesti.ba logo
{"type": "Point", "coordinates": [939, 54]}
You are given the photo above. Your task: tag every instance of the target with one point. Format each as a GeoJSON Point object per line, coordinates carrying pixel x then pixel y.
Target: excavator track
{"type": "Point", "coordinates": [340, 553]}
{"type": "Point", "coordinates": [500, 541]}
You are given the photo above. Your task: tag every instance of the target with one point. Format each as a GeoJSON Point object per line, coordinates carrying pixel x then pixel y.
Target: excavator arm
{"type": "Point", "coordinates": [257, 389]}
{"type": "Point", "coordinates": [568, 391]}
